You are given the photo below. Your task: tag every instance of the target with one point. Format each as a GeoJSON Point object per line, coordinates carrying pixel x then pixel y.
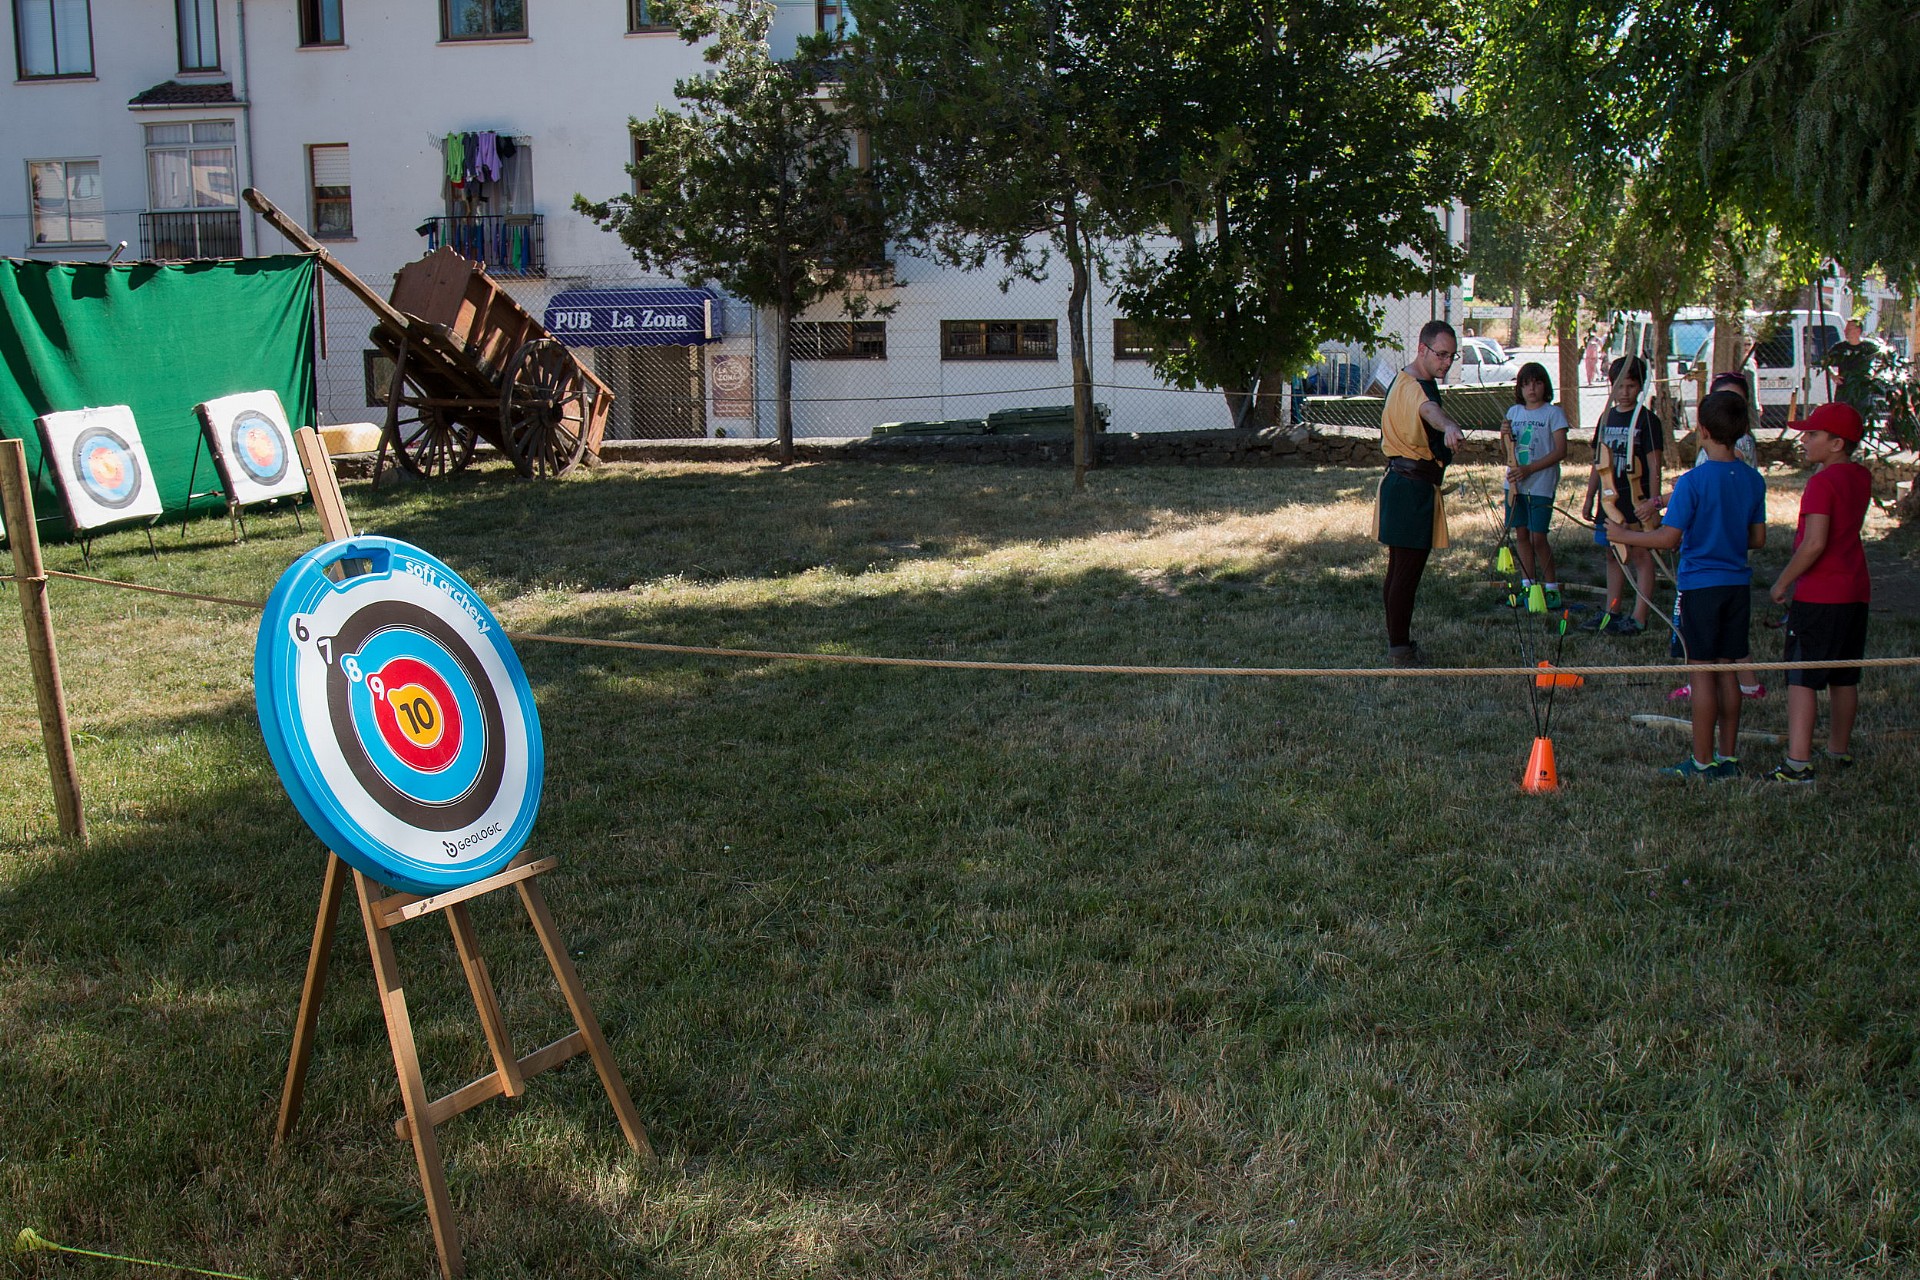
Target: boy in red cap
{"type": "Point", "coordinates": [1827, 580]}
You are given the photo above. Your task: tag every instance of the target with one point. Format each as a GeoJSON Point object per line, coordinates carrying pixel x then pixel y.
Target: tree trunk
{"type": "Point", "coordinates": [1729, 343]}
{"type": "Point", "coordinates": [1077, 336]}
{"type": "Point", "coordinates": [1519, 300]}
{"type": "Point", "coordinates": [1239, 405]}
{"type": "Point", "coordinates": [783, 381]}
{"type": "Point", "coordinates": [1566, 334]}
{"type": "Point", "coordinates": [1266, 405]}
{"type": "Point", "coordinates": [1663, 399]}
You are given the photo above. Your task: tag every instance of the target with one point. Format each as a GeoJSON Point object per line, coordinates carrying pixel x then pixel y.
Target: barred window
{"type": "Point", "coordinates": [839, 340]}
{"type": "Point", "coordinates": [999, 340]}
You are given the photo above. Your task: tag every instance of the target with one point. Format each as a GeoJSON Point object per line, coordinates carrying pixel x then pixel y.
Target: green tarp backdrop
{"type": "Point", "coordinates": [159, 338]}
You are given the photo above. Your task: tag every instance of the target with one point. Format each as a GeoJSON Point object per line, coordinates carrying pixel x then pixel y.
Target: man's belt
{"type": "Point", "coordinates": [1424, 470]}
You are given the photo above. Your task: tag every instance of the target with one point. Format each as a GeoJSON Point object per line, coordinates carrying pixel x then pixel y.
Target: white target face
{"type": "Point", "coordinates": [100, 465]}
{"type": "Point", "coordinates": [252, 446]}
{"type": "Point", "coordinates": [400, 719]}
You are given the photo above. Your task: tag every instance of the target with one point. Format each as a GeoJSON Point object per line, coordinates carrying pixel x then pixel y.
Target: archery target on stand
{"type": "Point", "coordinates": [100, 465]}
{"type": "Point", "coordinates": [253, 446]}
{"type": "Point", "coordinates": [398, 715]}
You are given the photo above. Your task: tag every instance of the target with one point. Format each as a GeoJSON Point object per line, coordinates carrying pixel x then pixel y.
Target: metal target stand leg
{"type": "Point", "coordinates": [379, 915]}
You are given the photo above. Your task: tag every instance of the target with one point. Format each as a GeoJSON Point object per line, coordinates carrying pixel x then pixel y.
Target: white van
{"type": "Point", "coordinates": [1785, 366]}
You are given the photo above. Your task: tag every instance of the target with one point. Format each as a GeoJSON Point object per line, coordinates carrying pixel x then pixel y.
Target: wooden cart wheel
{"type": "Point", "coordinates": [431, 443]}
{"type": "Point", "coordinates": [543, 409]}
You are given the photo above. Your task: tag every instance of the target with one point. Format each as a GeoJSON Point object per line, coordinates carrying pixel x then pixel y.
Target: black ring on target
{"type": "Point", "coordinates": [397, 615]}
{"type": "Point", "coordinates": [246, 422]}
{"type": "Point", "coordinates": [103, 497]}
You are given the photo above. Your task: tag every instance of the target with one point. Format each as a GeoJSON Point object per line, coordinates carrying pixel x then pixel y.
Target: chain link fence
{"type": "Point", "coordinates": [935, 346]}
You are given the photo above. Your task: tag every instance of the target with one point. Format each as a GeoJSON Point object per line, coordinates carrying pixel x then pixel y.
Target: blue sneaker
{"type": "Point", "coordinates": [1725, 767]}
{"type": "Point", "coordinates": [1783, 772]}
{"type": "Point", "coordinates": [1689, 770]}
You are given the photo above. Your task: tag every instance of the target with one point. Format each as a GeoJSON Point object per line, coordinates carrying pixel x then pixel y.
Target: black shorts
{"type": "Point", "coordinates": [1825, 633]}
{"type": "Point", "coordinates": [1714, 623]}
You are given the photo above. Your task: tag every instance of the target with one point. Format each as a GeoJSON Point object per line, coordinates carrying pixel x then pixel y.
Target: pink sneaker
{"type": "Point", "coordinates": [1754, 694]}
{"type": "Point", "coordinates": [1681, 694]}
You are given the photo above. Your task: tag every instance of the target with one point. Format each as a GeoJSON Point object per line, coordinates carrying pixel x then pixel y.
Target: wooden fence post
{"type": "Point", "coordinates": [30, 577]}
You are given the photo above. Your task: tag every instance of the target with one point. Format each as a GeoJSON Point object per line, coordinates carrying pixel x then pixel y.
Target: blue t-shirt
{"type": "Point", "coordinates": [1712, 506]}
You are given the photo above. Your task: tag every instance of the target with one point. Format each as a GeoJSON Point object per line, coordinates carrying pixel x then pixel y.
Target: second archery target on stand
{"type": "Point", "coordinates": [398, 715]}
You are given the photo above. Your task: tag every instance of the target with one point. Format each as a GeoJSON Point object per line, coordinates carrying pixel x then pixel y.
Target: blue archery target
{"type": "Point", "coordinates": [252, 446]}
{"type": "Point", "coordinates": [99, 465]}
{"type": "Point", "coordinates": [397, 715]}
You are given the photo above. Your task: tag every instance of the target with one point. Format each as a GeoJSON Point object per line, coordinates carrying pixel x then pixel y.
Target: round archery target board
{"type": "Point", "coordinates": [397, 715]}
{"type": "Point", "coordinates": [252, 445]}
{"type": "Point", "coordinates": [100, 465]}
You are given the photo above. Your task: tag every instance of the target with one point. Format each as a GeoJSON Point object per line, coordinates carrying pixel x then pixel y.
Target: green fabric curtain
{"type": "Point", "coordinates": [159, 338]}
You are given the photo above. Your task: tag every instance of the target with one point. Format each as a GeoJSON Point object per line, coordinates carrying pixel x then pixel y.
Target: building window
{"type": "Point", "coordinates": [1130, 344]}
{"type": "Point", "coordinates": [999, 340]}
{"type": "Point", "coordinates": [199, 35]}
{"type": "Point", "coordinates": [190, 166]}
{"type": "Point", "coordinates": [832, 15]}
{"type": "Point", "coordinates": [642, 16]}
{"type": "Point", "coordinates": [331, 184]}
{"type": "Point", "coordinates": [52, 38]}
{"type": "Point", "coordinates": [67, 205]}
{"type": "Point", "coordinates": [320, 22]}
{"type": "Point", "coordinates": [839, 340]}
{"type": "Point", "coordinates": [640, 151]}
{"type": "Point", "coordinates": [482, 19]}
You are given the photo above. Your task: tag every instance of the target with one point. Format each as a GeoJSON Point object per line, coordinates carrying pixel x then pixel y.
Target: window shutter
{"type": "Point", "coordinates": [330, 167]}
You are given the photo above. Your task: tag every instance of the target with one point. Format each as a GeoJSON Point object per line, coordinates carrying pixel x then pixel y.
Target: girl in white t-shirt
{"type": "Point", "coordinates": [1539, 433]}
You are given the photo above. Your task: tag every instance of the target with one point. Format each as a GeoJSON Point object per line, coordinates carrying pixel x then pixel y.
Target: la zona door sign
{"type": "Point", "coordinates": [397, 715]}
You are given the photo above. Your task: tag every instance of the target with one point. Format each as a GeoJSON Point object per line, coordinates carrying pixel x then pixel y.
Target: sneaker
{"type": "Point", "coordinates": [1624, 627]}
{"type": "Point", "coordinates": [1681, 694]}
{"type": "Point", "coordinates": [1754, 694]}
{"type": "Point", "coordinates": [1725, 767]}
{"type": "Point", "coordinates": [1689, 769]}
{"type": "Point", "coordinates": [1554, 602]}
{"type": "Point", "coordinates": [1838, 759]}
{"type": "Point", "coordinates": [1597, 622]}
{"type": "Point", "coordinates": [1404, 655]}
{"type": "Point", "coordinates": [1784, 772]}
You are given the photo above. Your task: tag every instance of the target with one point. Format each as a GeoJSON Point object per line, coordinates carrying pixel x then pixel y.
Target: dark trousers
{"type": "Point", "coordinates": [1404, 567]}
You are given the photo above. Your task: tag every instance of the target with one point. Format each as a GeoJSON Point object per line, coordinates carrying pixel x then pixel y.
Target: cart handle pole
{"type": "Point", "coordinates": [279, 221]}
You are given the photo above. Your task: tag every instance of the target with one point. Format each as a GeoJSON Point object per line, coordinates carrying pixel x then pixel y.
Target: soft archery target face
{"type": "Point", "coordinates": [100, 465]}
{"type": "Point", "coordinates": [398, 716]}
{"type": "Point", "coordinates": [253, 446]}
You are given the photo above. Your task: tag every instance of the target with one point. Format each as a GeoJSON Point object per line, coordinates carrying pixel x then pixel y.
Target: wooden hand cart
{"type": "Point", "coordinates": [469, 363]}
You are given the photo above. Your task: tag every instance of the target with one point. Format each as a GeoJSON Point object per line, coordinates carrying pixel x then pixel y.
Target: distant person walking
{"type": "Point", "coordinates": [1852, 364]}
{"type": "Point", "coordinates": [1592, 357]}
{"type": "Point", "coordinates": [1410, 516]}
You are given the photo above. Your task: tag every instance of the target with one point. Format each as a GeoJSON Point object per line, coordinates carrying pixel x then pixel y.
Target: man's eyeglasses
{"type": "Point", "coordinates": [1438, 354]}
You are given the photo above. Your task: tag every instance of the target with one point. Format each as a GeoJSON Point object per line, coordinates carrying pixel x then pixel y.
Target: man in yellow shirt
{"type": "Point", "coordinates": [1410, 516]}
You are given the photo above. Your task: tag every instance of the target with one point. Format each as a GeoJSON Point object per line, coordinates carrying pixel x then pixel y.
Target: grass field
{"type": "Point", "coordinates": [930, 974]}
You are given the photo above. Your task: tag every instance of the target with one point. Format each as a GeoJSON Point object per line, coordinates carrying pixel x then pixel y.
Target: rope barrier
{"type": "Point", "coordinates": [31, 1241]}
{"type": "Point", "coordinates": [1085, 668]}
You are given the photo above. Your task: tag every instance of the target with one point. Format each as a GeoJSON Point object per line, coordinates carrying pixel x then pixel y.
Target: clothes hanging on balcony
{"type": "Point", "coordinates": [487, 161]}
{"type": "Point", "coordinates": [456, 159]}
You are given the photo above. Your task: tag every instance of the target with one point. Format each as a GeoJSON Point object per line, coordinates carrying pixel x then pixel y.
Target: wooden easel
{"type": "Point", "coordinates": [380, 914]}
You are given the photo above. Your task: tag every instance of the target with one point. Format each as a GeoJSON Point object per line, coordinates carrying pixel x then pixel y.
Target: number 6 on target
{"type": "Point", "coordinates": [398, 716]}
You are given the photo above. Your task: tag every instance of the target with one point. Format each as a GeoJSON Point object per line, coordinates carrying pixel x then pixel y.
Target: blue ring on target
{"type": "Point", "coordinates": [398, 716]}
{"type": "Point", "coordinates": [98, 454]}
{"type": "Point", "coordinates": [258, 447]}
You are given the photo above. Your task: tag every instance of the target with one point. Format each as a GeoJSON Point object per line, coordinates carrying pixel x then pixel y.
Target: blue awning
{"type": "Point", "coordinates": [633, 317]}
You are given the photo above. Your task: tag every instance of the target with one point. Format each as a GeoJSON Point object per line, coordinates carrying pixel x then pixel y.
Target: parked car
{"type": "Point", "coordinates": [1482, 362]}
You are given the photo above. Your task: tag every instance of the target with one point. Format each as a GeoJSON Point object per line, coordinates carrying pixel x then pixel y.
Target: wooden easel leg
{"type": "Point", "coordinates": [332, 893]}
{"type": "Point", "coordinates": [499, 1044]}
{"type": "Point", "coordinates": [413, 1089]}
{"type": "Point", "coordinates": [569, 980]}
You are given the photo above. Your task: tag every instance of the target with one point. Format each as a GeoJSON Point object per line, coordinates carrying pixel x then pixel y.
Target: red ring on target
{"type": "Point", "coordinates": [418, 716]}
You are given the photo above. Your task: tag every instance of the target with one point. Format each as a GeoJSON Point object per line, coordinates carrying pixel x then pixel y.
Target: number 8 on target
{"type": "Point", "coordinates": [397, 715]}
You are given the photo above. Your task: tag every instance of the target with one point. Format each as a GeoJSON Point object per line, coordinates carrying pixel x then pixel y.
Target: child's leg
{"type": "Point", "coordinates": [1727, 695]}
{"type": "Point", "coordinates": [1803, 711]}
{"type": "Point", "coordinates": [1706, 711]}
{"type": "Point", "coordinates": [1616, 581]}
{"type": "Point", "coordinates": [1642, 574]}
{"type": "Point", "coordinates": [1843, 703]}
{"type": "Point", "coordinates": [1523, 549]}
{"type": "Point", "coordinates": [1543, 557]}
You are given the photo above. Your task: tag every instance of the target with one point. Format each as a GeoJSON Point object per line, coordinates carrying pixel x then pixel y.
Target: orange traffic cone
{"type": "Point", "coordinates": [1551, 679]}
{"type": "Point", "coordinates": [1541, 776]}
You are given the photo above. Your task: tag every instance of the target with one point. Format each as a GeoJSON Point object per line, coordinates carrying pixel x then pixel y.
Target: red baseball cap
{"type": "Point", "coordinates": [1836, 419]}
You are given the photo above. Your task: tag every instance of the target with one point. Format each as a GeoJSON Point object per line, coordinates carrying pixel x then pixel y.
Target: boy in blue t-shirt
{"type": "Point", "coordinates": [1717, 513]}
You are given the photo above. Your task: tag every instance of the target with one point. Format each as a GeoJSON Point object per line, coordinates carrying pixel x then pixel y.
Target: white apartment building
{"type": "Point", "coordinates": [390, 128]}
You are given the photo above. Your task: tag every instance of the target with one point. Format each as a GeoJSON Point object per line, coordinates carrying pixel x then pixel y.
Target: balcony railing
{"type": "Point", "coordinates": [512, 244]}
{"type": "Point", "coordinates": [190, 233]}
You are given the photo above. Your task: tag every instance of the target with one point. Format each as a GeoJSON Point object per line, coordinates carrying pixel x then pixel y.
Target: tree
{"type": "Point", "coordinates": [1295, 156]}
{"type": "Point", "coordinates": [752, 185]}
{"type": "Point", "coordinates": [997, 136]}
